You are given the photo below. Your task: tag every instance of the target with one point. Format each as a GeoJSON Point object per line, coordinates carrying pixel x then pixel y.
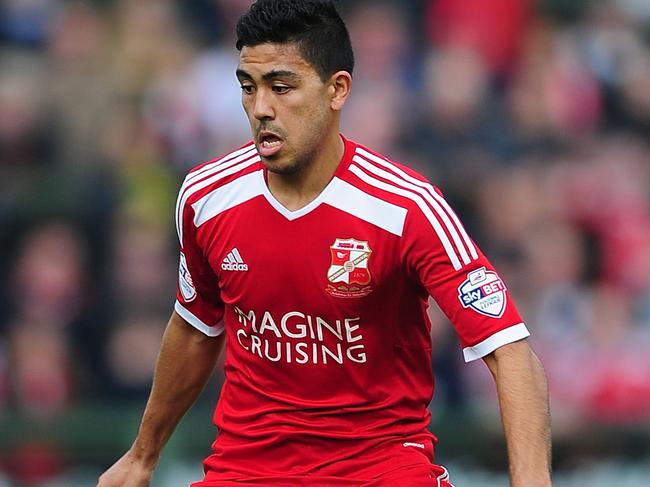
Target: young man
{"type": "Point", "coordinates": [315, 257]}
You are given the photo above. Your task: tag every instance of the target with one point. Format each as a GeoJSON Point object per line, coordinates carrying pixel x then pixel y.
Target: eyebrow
{"type": "Point", "coordinates": [271, 75]}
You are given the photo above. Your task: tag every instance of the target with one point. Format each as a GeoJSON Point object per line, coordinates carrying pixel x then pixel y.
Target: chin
{"type": "Point", "coordinates": [284, 170]}
{"type": "Point", "coordinates": [277, 166]}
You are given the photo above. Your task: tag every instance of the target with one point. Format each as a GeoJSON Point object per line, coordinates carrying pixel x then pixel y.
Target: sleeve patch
{"type": "Point", "coordinates": [185, 282]}
{"type": "Point", "coordinates": [484, 292]}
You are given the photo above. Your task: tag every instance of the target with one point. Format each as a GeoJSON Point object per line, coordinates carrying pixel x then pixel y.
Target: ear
{"type": "Point", "coordinates": [339, 88]}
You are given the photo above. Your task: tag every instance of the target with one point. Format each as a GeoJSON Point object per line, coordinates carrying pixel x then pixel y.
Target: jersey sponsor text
{"type": "Point", "coordinates": [299, 338]}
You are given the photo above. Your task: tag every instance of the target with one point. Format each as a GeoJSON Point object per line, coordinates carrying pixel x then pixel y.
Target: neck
{"type": "Point", "coordinates": [296, 190]}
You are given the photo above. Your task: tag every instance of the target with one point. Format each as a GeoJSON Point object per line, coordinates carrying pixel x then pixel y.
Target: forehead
{"type": "Point", "coordinates": [264, 58]}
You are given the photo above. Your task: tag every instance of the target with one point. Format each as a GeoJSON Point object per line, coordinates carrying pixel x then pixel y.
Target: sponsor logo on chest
{"type": "Point", "coordinates": [300, 338]}
{"type": "Point", "coordinates": [484, 292]}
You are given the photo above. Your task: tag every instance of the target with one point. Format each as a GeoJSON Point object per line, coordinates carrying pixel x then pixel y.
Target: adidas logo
{"type": "Point", "coordinates": [234, 262]}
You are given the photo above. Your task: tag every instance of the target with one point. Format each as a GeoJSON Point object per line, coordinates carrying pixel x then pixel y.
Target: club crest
{"type": "Point", "coordinates": [484, 292]}
{"type": "Point", "coordinates": [348, 275]}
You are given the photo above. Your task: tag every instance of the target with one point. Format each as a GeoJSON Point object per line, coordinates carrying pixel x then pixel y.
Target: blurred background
{"type": "Point", "coordinates": [532, 116]}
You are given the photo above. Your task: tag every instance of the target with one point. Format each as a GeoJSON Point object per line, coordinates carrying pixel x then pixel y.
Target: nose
{"type": "Point", "coordinates": [263, 107]}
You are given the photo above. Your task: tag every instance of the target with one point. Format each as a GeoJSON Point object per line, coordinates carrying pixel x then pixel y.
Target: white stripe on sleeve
{"type": "Point", "coordinates": [491, 343]}
{"type": "Point", "coordinates": [192, 319]}
{"type": "Point", "coordinates": [430, 189]}
{"type": "Point", "coordinates": [215, 175]}
{"type": "Point", "coordinates": [451, 229]}
{"type": "Point", "coordinates": [449, 248]}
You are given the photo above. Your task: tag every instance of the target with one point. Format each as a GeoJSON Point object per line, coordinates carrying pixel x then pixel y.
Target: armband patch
{"type": "Point", "coordinates": [484, 292]}
{"type": "Point", "coordinates": [185, 282]}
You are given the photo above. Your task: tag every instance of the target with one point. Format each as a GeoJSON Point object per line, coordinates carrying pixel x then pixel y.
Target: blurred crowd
{"type": "Point", "coordinates": [533, 117]}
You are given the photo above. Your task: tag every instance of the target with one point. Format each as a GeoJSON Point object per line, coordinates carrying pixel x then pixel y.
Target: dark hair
{"type": "Point", "coordinates": [314, 25]}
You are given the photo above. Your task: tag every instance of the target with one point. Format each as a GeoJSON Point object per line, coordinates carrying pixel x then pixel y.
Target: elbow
{"type": "Point", "coordinates": [518, 355]}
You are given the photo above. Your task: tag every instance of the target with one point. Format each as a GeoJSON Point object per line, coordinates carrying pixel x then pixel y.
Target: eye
{"type": "Point", "coordinates": [280, 89]}
{"type": "Point", "coordinates": [248, 89]}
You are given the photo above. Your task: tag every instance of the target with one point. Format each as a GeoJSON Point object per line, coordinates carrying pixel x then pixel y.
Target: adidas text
{"type": "Point", "coordinates": [234, 262]}
{"type": "Point", "coordinates": [234, 267]}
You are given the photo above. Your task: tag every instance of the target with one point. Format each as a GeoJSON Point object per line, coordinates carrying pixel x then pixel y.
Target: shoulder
{"type": "Point", "coordinates": [426, 209]}
{"type": "Point", "coordinates": [209, 176]}
{"type": "Point", "coordinates": [389, 180]}
{"type": "Point", "coordinates": [364, 154]}
{"type": "Point", "coordinates": [217, 172]}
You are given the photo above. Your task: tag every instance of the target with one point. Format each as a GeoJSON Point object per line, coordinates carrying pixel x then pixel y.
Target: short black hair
{"type": "Point", "coordinates": [314, 25]}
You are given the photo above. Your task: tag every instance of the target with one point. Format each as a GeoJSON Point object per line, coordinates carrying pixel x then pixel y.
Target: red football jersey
{"type": "Point", "coordinates": [328, 369]}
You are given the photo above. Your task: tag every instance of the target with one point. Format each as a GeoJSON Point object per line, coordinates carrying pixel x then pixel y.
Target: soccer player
{"type": "Point", "coordinates": [311, 257]}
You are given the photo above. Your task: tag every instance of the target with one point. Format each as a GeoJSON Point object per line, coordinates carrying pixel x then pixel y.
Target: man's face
{"type": "Point", "coordinates": [287, 104]}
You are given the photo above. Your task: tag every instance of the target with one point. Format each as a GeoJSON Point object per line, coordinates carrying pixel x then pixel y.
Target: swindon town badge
{"type": "Point", "coordinates": [484, 292]}
{"type": "Point", "coordinates": [348, 275]}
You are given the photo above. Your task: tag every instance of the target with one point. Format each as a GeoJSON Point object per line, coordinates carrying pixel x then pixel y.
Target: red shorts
{"type": "Point", "coordinates": [436, 476]}
{"type": "Point", "coordinates": [318, 462]}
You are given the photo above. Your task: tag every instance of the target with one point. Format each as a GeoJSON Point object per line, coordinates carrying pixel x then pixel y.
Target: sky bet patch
{"type": "Point", "coordinates": [484, 292]}
{"type": "Point", "coordinates": [185, 282]}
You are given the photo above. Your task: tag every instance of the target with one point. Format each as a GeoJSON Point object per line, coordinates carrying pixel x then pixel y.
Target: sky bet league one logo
{"type": "Point", "coordinates": [185, 282]}
{"type": "Point", "coordinates": [484, 292]}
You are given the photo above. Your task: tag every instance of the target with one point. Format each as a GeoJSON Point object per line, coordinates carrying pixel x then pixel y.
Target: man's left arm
{"type": "Point", "coordinates": [523, 398]}
{"type": "Point", "coordinates": [439, 252]}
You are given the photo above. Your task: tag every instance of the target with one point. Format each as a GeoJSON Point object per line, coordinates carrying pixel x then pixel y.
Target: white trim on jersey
{"type": "Point", "coordinates": [500, 338]}
{"type": "Point", "coordinates": [441, 214]}
{"type": "Point", "coordinates": [227, 196]}
{"type": "Point", "coordinates": [444, 476]}
{"type": "Point", "coordinates": [205, 171]}
{"type": "Point", "coordinates": [338, 194]}
{"type": "Point", "coordinates": [243, 152]}
{"type": "Point", "coordinates": [192, 319]}
{"type": "Point", "coordinates": [350, 199]}
{"type": "Point", "coordinates": [432, 192]}
{"type": "Point", "coordinates": [451, 253]}
{"type": "Point", "coordinates": [215, 174]}
{"type": "Point", "coordinates": [283, 210]}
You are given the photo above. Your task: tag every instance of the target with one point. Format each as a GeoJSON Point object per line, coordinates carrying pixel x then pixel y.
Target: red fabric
{"type": "Point", "coordinates": [324, 384]}
{"type": "Point", "coordinates": [396, 466]}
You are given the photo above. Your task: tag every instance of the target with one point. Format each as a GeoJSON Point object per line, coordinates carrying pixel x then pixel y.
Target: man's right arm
{"type": "Point", "coordinates": [186, 360]}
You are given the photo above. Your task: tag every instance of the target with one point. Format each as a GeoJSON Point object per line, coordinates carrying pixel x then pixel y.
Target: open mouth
{"type": "Point", "coordinates": [269, 143]}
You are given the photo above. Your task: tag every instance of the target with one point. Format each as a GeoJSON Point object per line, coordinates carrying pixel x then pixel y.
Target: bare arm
{"type": "Point", "coordinates": [523, 397]}
{"type": "Point", "coordinates": [186, 360]}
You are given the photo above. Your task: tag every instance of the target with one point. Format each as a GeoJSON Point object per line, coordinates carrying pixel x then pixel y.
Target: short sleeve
{"type": "Point", "coordinates": [439, 254]}
{"type": "Point", "coordinates": [198, 298]}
